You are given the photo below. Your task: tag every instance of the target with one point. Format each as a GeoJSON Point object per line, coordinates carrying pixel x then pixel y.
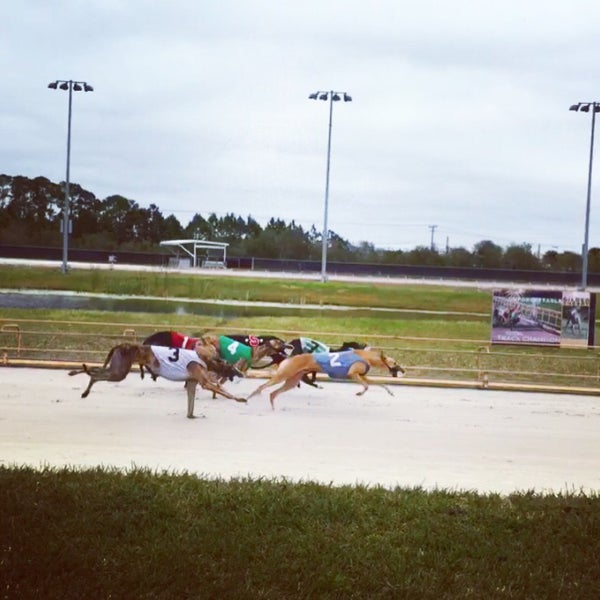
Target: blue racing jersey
{"type": "Point", "coordinates": [337, 364]}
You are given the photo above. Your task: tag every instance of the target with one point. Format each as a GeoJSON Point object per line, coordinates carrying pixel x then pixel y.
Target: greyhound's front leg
{"type": "Point", "coordinates": [190, 386]}
{"type": "Point", "coordinates": [387, 389]}
{"type": "Point", "coordinates": [362, 380]}
{"type": "Point", "coordinates": [217, 389]}
{"type": "Point", "coordinates": [199, 375]}
{"type": "Point", "coordinates": [242, 365]}
{"type": "Point", "coordinates": [365, 382]}
{"type": "Point", "coordinates": [311, 379]}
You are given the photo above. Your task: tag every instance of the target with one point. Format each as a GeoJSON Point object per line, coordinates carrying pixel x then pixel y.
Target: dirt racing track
{"type": "Point", "coordinates": [458, 439]}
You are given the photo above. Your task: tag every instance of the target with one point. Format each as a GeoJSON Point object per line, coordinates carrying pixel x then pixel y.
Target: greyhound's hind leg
{"type": "Point", "coordinates": [89, 387]}
{"type": "Point", "coordinates": [261, 387]}
{"type": "Point", "coordinates": [290, 383]}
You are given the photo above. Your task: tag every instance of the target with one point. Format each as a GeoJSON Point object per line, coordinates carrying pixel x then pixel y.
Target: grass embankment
{"type": "Point", "coordinates": [177, 285]}
{"type": "Point", "coordinates": [104, 534]}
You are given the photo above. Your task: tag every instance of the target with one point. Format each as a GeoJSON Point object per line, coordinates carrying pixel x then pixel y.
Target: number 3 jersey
{"type": "Point", "coordinates": [173, 362]}
{"type": "Point", "coordinates": [337, 364]}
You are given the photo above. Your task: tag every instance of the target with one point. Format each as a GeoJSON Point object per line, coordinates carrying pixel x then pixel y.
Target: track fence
{"type": "Point", "coordinates": [428, 361]}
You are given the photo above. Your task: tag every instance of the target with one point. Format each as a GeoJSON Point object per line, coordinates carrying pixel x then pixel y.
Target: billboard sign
{"type": "Point", "coordinates": [526, 317]}
{"type": "Point", "coordinates": [577, 319]}
{"type": "Point", "coordinates": [543, 317]}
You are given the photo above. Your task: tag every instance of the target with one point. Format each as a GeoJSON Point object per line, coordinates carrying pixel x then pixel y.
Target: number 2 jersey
{"type": "Point", "coordinates": [337, 364]}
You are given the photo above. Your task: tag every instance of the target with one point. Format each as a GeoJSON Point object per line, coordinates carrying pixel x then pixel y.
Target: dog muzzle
{"type": "Point", "coordinates": [395, 370]}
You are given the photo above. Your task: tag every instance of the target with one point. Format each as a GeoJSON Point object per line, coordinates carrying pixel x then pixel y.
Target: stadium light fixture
{"type": "Point", "coordinates": [71, 86]}
{"type": "Point", "coordinates": [585, 107]}
{"type": "Point", "coordinates": [332, 97]}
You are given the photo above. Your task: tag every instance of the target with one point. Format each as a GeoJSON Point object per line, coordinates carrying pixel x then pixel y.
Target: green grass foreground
{"type": "Point", "coordinates": [105, 534]}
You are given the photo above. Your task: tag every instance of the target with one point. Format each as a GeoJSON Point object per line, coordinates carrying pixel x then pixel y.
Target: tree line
{"type": "Point", "coordinates": [31, 214]}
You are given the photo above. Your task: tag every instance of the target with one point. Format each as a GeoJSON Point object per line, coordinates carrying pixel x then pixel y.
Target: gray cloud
{"type": "Point", "coordinates": [460, 114]}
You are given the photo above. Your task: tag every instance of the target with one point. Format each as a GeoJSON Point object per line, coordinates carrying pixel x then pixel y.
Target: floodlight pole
{"type": "Point", "coordinates": [325, 237]}
{"type": "Point", "coordinates": [585, 107]}
{"type": "Point", "coordinates": [584, 268]}
{"type": "Point", "coordinates": [331, 96]}
{"type": "Point", "coordinates": [71, 86]}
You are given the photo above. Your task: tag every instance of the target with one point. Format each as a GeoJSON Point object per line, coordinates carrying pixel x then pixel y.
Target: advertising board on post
{"type": "Point", "coordinates": [543, 317]}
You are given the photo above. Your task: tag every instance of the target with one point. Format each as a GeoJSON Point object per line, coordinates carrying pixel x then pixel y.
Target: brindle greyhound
{"type": "Point", "coordinates": [201, 366]}
{"type": "Point", "coordinates": [352, 364]}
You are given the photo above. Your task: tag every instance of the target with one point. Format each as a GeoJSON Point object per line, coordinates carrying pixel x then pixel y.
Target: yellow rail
{"type": "Point", "coordinates": [429, 361]}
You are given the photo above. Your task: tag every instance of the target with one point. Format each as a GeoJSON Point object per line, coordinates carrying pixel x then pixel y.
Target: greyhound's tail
{"type": "Point", "coordinates": [78, 371]}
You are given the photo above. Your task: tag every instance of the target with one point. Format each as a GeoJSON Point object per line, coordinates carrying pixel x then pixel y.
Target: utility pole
{"type": "Point", "coordinates": [433, 228]}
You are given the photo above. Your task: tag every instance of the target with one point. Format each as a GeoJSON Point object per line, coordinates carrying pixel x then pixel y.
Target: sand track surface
{"type": "Point", "coordinates": [488, 441]}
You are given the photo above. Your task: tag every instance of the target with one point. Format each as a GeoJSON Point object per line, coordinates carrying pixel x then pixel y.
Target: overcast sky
{"type": "Point", "coordinates": [459, 118]}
